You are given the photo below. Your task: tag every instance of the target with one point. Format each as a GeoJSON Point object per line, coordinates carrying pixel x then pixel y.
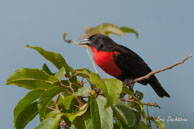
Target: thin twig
{"type": "Point", "coordinates": [147, 104]}
{"type": "Point", "coordinates": [160, 70]}
{"type": "Point", "coordinates": [77, 85]}
{"type": "Point", "coordinates": [64, 125]}
{"type": "Point", "coordinates": [151, 104]}
{"type": "Point", "coordinates": [77, 98]}
{"type": "Point", "coordinates": [82, 82]}
{"type": "Point", "coordinates": [51, 108]}
{"type": "Point", "coordinates": [55, 102]}
{"type": "Point", "coordinates": [87, 50]}
{"type": "Point", "coordinates": [148, 115]}
{"type": "Point", "coordinates": [70, 85]}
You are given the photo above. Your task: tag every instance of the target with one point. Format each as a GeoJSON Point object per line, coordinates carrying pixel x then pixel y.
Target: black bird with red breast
{"type": "Point", "coordinates": [121, 62]}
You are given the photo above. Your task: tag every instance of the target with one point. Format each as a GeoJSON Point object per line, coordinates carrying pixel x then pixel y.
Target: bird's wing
{"type": "Point", "coordinates": [129, 62]}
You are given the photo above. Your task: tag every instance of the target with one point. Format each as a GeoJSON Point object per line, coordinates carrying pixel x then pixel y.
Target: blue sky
{"type": "Point", "coordinates": [166, 36]}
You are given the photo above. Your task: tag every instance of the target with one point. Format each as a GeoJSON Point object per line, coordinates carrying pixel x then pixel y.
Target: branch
{"type": "Point", "coordinates": [87, 50]}
{"type": "Point", "coordinates": [148, 115]}
{"type": "Point", "coordinates": [160, 70]}
{"type": "Point", "coordinates": [55, 102]}
{"type": "Point", "coordinates": [77, 98]}
{"type": "Point", "coordinates": [147, 104]}
{"type": "Point", "coordinates": [151, 104]}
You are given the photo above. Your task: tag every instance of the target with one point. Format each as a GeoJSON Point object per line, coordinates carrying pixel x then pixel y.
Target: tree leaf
{"type": "Point", "coordinates": [31, 79]}
{"type": "Point", "coordinates": [129, 30]}
{"type": "Point", "coordinates": [83, 122]}
{"type": "Point", "coordinates": [83, 72]}
{"type": "Point", "coordinates": [78, 123]}
{"type": "Point", "coordinates": [99, 83]}
{"type": "Point", "coordinates": [102, 118]}
{"type": "Point", "coordinates": [125, 114]}
{"type": "Point", "coordinates": [137, 104]}
{"type": "Point", "coordinates": [105, 28]}
{"type": "Point", "coordinates": [52, 114]}
{"type": "Point", "coordinates": [140, 125]}
{"type": "Point", "coordinates": [47, 70]}
{"type": "Point", "coordinates": [25, 102]}
{"type": "Point", "coordinates": [114, 88]}
{"type": "Point", "coordinates": [61, 73]}
{"type": "Point", "coordinates": [82, 110]}
{"type": "Point", "coordinates": [50, 123]}
{"type": "Point", "coordinates": [127, 91]}
{"type": "Point", "coordinates": [119, 125]}
{"type": "Point", "coordinates": [158, 122]}
{"type": "Point", "coordinates": [61, 99]}
{"type": "Point", "coordinates": [111, 87]}
{"type": "Point", "coordinates": [26, 115]}
{"type": "Point", "coordinates": [81, 91]}
{"type": "Point", "coordinates": [54, 58]}
{"type": "Point", "coordinates": [88, 121]}
{"type": "Point", "coordinates": [139, 95]}
{"type": "Point", "coordinates": [46, 97]}
{"type": "Point", "coordinates": [95, 113]}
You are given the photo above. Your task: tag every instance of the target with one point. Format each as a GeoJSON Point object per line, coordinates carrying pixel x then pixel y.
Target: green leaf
{"type": "Point", "coordinates": [82, 110]}
{"type": "Point", "coordinates": [46, 97]}
{"type": "Point", "coordinates": [60, 100]}
{"type": "Point", "coordinates": [52, 114]}
{"type": "Point", "coordinates": [54, 58]}
{"type": "Point", "coordinates": [83, 122]}
{"type": "Point", "coordinates": [50, 123]}
{"type": "Point", "coordinates": [88, 121]}
{"type": "Point", "coordinates": [47, 70]}
{"type": "Point", "coordinates": [139, 95]}
{"type": "Point", "coordinates": [114, 88]}
{"type": "Point", "coordinates": [78, 123]}
{"type": "Point", "coordinates": [25, 102]}
{"type": "Point", "coordinates": [108, 29]}
{"type": "Point", "coordinates": [129, 30]}
{"type": "Point", "coordinates": [105, 28]}
{"type": "Point", "coordinates": [137, 103]}
{"type": "Point", "coordinates": [61, 73]}
{"type": "Point", "coordinates": [111, 87]}
{"type": "Point", "coordinates": [125, 114]}
{"type": "Point", "coordinates": [118, 125]}
{"type": "Point", "coordinates": [81, 91]}
{"type": "Point", "coordinates": [102, 118]}
{"type": "Point", "coordinates": [83, 72]}
{"type": "Point", "coordinates": [99, 83]}
{"type": "Point", "coordinates": [26, 115]}
{"type": "Point", "coordinates": [140, 125]}
{"type": "Point", "coordinates": [31, 79]}
{"type": "Point", "coordinates": [95, 113]}
{"type": "Point", "coordinates": [127, 91]}
{"type": "Point", "coordinates": [158, 122]}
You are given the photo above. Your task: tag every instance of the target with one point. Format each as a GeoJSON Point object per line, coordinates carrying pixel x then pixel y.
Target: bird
{"type": "Point", "coordinates": [121, 62]}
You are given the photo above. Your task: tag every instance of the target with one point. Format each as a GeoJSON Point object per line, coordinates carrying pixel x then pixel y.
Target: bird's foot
{"type": "Point", "coordinates": [129, 83]}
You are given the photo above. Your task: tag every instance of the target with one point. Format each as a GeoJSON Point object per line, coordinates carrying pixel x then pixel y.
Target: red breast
{"type": "Point", "coordinates": [105, 60]}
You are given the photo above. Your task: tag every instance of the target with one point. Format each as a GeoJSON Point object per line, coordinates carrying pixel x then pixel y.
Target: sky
{"type": "Point", "coordinates": [165, 37]}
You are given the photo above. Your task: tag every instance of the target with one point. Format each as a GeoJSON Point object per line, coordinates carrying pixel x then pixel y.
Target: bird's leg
{"type": "Point", "coordinates": [129, 83]}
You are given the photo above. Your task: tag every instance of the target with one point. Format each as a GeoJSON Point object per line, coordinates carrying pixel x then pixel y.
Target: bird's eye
{"type": "Point", "coordinates": [93, 39]}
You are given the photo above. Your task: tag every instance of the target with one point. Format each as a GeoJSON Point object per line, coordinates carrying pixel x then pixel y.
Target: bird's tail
{"type": "Point", "coordinates": [155, 84]}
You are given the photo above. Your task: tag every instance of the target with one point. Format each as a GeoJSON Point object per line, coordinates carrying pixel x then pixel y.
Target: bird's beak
{"type": "Point", "coordinates": [85, 42]}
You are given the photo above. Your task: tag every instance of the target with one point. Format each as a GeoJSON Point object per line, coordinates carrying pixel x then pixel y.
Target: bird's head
{"type": "Point", "coordinates": [99, 42]}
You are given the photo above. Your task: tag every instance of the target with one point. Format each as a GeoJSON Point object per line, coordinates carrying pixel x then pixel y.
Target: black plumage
{"type": "Point", "coordinates": [130, 63]}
